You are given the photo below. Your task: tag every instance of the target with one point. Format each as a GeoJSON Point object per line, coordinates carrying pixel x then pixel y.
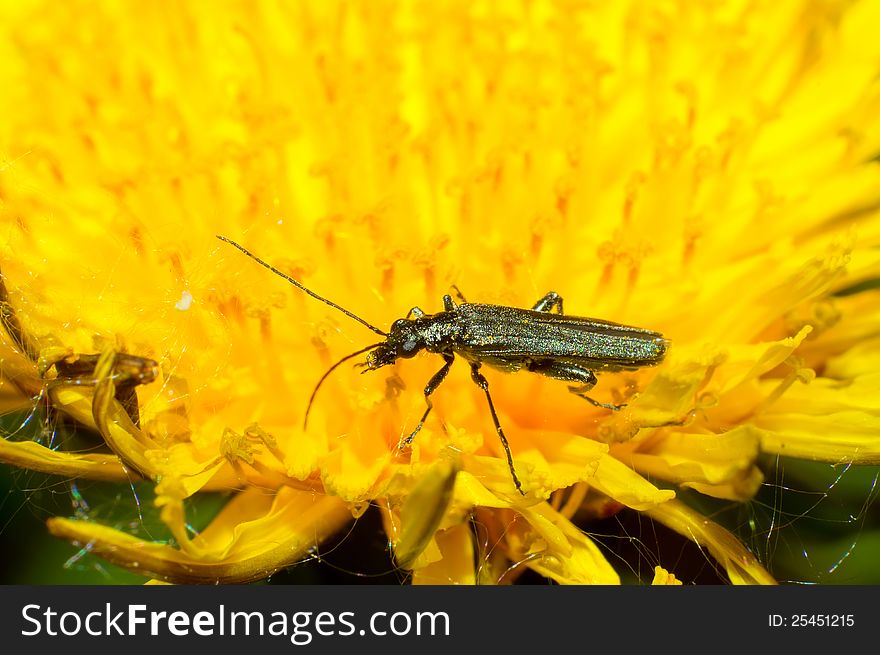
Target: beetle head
{"type": "Point", "coordinates": [405, 339]}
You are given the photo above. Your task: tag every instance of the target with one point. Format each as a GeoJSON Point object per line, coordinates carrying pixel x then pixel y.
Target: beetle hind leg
{"type": "Point", "coordinates": [458, 294]}
{"type": "Point", "coordinates": [581, 392]}
{"type": "Point", "coordinates": [571, 373]}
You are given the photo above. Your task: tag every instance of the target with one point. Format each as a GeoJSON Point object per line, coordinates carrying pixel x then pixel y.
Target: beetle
{"type": "Point", "coordinates": [509, 339]}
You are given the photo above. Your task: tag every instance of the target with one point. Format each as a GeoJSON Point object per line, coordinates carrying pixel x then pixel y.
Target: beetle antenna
{"type": "Point", "coordinates": [328, 372]}
{"type": "Point", "coordinates": [301, 286]}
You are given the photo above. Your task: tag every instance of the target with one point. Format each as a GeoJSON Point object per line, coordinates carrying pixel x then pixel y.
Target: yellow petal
{"type": "Point", "coordinates": [456, 562]}
{"type": "Point", "coordinates": [827, 420]}
{"type": "Point", "coordinates": [31, 455]}
{"type": "Point", "coordinates": [558, 460]}
{"type": "Point", "coordinates": [742, 567]}
{"type": "Point", "coordinates": [252, 538]}
{"type": "Point", "coordinates": [620, 482]}
{"type": "Point", "coordinates": [717, 464]}
{"type": "Point", "coordinates": [349, 472]}
{"type": "Point", "coordinates": [664, 577]}
{"type": "Point", "coordinates": [556, 548]}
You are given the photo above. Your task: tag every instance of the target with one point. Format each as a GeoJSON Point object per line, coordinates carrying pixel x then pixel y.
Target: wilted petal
{"type": "Point", "coordinates": [422, 512]}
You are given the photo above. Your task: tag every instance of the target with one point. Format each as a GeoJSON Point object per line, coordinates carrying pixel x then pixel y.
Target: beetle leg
{"type": "Point", "coordinates": [458, 293]}
{"type": "Point", "coordinates": [481, 382]}
{"type": "Point", "coordinates": [415, 311]}
{"type": "Point", "coordinates": [561, 370]}
{"type": "Point", "coordinates": [448, 303]}
{"type": "Point", "coordinates": [548, 302]}
{"type": "Point", "coordinates": [432, 385]}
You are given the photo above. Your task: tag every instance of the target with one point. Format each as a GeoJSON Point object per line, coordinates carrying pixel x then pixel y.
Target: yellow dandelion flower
{"type": "Point", "coordinates": [704, 170]}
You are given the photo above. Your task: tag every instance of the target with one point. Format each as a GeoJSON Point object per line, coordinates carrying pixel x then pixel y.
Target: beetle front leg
{"type": "Point", "coordinates": [432, 385]}
{"type": "Point", "coordinates": [548, 302]}
{"type": "Point", "coordinates": [415, 311]}
{"type": "Point", "coordinates": [571, 373]}
{"type": "Point", "coordinates": [481, 381]}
